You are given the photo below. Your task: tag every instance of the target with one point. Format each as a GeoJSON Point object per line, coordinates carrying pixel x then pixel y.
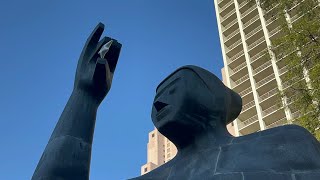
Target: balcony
{"type": "Point", "coordinates": [270, 110]}
{"type": "Point", "coordinates": [247, 122]}
{"type": "Point", "coordinates": [235, 57]}
{"type": "Point", "coordinates": [292, 99]}
{"type": "Point", "coordinates": [265, 80]}
{"type": "Point", "coordinates": [280, 122]}
{"type": "Point", "coordinates": [288, 84]}
{"type": "Point", "coordinates": [229, 25]}
{"type": "Point", "coordinates": [298, 15]}
{"type": "Point", "coordinates": [243, 3]}
{"type": "Point", "coordinates": [253, 32]}
{"type": "Point", "coordinates": [230, 36]}
{"type": "Point", "coordinates": [245, 92]}
{"type": "Point", "coordinates": [248, 106]}
{"type": "Point", "coordinates": [220, 1]}
{"type": "Point", "coordinates": [257, 56]}
{"type": "Point", "coordinates": [295, 18]}
{"type": "Point", "coordinates": [296, 5]}
{"type": "Point", "coordinates": [246, 95]}
{"type": "Point", "coordinates": [241, 80]}
{"type": "Point", "coordinates": [262, 67]}
{"type": "Point", "coordinates": [283, 70]}
{"type": "Point", "coordinates": [274, 31]}
{"type": "Point", "coordinates": [245, 25]}
{"type": "Point", "coordinates": [269, 94]}
{"type": "Point", "coordinates": [256, 43]}
{"type": "Point", "coordinates": [285, 56]}
{"type": "Point", "coordinates": [271, 21]}
{"type": "Point", "coordinates": [238, 68]}
{"type": "Point", "coordinates": [230, 17]}
{"type": "Point", "coordinates": [234, 48]}
{"type": "Point", "coordinates": [235, 44]}
{"type": "Point", "coordinates": [273, 8]}
{"type": "Point", "coordinates": [223, 18]}
{"type": "Point", "coordinates": [226, 6]}
{"type": "Point", "coordinates": [248, 11]}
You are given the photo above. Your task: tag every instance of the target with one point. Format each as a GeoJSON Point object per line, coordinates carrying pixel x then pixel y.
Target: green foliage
{"type": "Point", "coordinates": [299, 48]}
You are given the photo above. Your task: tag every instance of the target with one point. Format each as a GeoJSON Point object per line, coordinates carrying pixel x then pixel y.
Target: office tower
{"type": "Point", "coordinates": [246, 32]}
{"type": "Point", "coordinates": [159, 151]}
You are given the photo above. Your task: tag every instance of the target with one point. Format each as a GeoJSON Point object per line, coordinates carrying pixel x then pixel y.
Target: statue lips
{"type": "Point", "coordinates": [163, 109]}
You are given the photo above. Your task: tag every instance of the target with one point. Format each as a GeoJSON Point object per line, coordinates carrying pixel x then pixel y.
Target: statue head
{"type": "Point", "coordinates": [193, 100]}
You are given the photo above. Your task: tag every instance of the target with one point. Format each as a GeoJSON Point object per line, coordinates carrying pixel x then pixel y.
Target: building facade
{"type": "Point", "coordinates": [246, 32]}
{"type": "Point", "coordinates": [159, 151]}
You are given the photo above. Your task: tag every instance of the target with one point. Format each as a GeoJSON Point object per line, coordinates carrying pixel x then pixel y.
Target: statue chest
{"type": "Point", "coordinates": [278, 154]}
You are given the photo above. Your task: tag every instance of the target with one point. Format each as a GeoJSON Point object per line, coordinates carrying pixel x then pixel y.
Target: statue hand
{"type": "Point", "coordinates": [94, 74]}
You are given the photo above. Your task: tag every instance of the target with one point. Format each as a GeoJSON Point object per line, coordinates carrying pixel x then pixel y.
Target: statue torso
{"type": "Point", "coordinates": [280, 153]}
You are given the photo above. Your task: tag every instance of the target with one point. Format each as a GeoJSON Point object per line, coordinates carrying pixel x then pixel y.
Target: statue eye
{"type": "Point", "coordinates": [172, 91]}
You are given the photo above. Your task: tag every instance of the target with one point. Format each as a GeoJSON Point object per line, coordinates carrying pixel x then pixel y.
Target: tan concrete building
{"type": "Point", "coordinates": [245, 33]}
{"type": "Point", "coordinates": [159, 151]}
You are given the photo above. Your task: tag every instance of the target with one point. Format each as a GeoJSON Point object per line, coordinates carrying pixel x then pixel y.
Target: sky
{"type": "Point", "coordinates": [40, 43]}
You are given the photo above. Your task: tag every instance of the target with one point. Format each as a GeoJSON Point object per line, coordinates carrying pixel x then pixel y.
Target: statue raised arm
{"type": "Point", "coordinates": [68, 152]}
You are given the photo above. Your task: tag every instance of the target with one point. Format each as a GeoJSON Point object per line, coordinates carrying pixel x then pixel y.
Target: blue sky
{"type": "Point", "coordinates": [40, 42]}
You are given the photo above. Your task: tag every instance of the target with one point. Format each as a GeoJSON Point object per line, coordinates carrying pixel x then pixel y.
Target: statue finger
{"type": "Point", "coordinates": [94, 38]}
{"type": "Point", "coordinates": [112, 55]}
{"type": "Point", "coordinates": [102, 73]}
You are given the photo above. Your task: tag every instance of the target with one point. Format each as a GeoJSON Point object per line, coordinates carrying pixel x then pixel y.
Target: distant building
{"type": "Point", "coordinates": [160, 150]}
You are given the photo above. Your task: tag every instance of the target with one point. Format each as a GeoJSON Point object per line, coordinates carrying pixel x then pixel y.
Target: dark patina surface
{"type": "Point", "coordinates": [191, 108]}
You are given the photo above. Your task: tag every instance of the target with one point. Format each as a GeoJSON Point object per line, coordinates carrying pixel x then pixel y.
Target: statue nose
{"type": "Point", "coordinates": [159, 105]}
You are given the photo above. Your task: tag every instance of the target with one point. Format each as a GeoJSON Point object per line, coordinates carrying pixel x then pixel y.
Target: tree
{"type": "Point", "coordinates": [299, 48]}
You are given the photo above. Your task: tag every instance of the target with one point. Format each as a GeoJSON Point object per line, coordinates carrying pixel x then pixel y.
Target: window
{"type": "Point", "coordinates": [145, 169]}
{"type": "Point", "coordinates": [152, 135]}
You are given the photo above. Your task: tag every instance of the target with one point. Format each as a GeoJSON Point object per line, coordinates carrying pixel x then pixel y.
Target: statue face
{"type": "Point", "coordinates": [182, 100]}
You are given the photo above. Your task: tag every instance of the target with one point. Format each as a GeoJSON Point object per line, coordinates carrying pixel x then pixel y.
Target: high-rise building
{"type": "Point", "coordinates": [159, 151]}
{"type": "Point", "coordinates": [246, 32]}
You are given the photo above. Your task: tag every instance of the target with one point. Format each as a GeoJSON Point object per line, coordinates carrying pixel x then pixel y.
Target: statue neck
{"type": "Point", "coordinates": [210, 137]}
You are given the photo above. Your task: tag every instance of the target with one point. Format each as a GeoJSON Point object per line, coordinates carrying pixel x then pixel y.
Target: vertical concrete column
{"type": "Point", "coordinates": [250, 70]}
{"type": "Point", "coordinates": [226, 69]}
{"type": "Point", "coordinates": [273, 60]}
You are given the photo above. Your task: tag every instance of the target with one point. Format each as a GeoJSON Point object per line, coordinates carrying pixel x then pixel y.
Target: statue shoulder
{"type": "Point", "coordinates": [288, 131]}
{"type": "Point", "coordinates": [280, 149]}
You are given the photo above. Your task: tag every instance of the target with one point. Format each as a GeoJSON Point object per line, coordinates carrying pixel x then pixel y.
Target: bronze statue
{"type": "Point", "coordinates": [191, 108]}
